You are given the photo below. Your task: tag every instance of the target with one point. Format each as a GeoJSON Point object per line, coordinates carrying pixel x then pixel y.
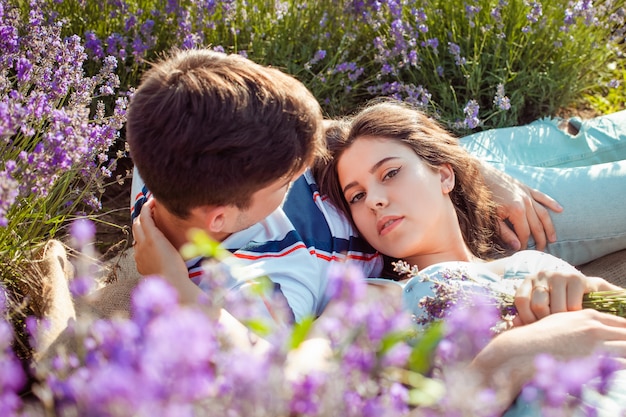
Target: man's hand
{"type": "Point", "coordinates": [526, 209]}
{"type": "Point", "coordinates": [505, 364]}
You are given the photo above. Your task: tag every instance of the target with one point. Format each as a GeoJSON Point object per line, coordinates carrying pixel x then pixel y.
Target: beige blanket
{"type": "Point", "coordinates": [114, 298]}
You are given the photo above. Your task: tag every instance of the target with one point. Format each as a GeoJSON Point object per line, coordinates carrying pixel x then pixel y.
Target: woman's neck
{"type": "Point", "coordinates": [449, 249]}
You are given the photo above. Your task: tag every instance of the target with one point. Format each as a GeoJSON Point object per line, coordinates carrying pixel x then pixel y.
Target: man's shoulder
{"type": "Point", "coordinates": [326, 231]}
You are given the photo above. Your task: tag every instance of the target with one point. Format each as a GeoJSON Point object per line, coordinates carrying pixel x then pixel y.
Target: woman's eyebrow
{"type": "Point", "coordinates": [371, 171]}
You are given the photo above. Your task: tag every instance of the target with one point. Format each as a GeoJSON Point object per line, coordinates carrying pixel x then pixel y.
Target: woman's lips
{"type": "Point", "coordinates": [386, 224]}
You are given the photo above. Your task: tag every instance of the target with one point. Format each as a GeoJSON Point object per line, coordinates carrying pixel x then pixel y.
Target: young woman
{"type": "Point", "coordinates": [416, 195]}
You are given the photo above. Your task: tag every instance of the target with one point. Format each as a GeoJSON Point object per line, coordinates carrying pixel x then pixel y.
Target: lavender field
{"type": "Point", "coordinates": [67, 72]}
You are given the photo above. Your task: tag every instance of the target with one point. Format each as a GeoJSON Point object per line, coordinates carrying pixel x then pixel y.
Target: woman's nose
{"type": "Point", "coordinates": [376, 201]}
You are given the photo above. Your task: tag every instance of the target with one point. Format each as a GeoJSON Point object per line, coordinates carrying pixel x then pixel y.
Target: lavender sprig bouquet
{"type": "Point", "coordinates": [451, 290]}
{"type": "Point", "coordinates": [613, 302]}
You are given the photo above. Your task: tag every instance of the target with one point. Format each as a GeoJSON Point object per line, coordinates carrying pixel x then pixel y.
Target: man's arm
{"type": "Point", "coordinates": [506, 363]}
{"type": "Point", "coordinates": [526, 209]}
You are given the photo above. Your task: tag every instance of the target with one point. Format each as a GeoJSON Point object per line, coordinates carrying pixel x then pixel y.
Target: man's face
{"type": "Point", "coordinates": [263, 203]}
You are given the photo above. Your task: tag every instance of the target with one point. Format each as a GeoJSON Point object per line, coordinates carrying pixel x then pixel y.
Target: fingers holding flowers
{"type": "Point", "coordinates": [540, 301]}
{"type": "Point", "coordinates": [550, 292]}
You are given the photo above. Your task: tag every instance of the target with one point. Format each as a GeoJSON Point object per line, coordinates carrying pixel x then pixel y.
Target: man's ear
{"type": "Point", "coordinates": [214, 218]}
{"type": "Point", "coordinates": [446, 174]}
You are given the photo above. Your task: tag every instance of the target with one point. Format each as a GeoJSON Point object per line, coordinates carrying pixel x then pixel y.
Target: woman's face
{"type": "Point", "coordinates": [399, 204]}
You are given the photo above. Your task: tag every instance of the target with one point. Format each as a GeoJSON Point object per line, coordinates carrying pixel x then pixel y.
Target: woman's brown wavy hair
{"type": "Point", "coordinates": [472, 199]}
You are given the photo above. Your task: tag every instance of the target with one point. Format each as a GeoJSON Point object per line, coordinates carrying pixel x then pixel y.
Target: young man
{"type": "Point", "coordinates": [218, 140]}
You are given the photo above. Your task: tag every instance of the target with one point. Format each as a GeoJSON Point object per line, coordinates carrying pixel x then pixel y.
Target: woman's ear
{"type": "Point", "coordinates": [446, 174]}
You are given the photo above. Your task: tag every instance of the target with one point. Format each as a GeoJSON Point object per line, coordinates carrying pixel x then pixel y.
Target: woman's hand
{"type": "Point", "coordinates": [550, 292]}
{"type": "Point", "coordinates": [155, 255]}
{"type": "Point", "coordinates": [523, 207]}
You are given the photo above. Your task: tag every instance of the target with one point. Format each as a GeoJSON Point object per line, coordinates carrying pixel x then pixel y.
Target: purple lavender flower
{"type": "Point", "coordinates": [501, 100]}
{"type": "Point", "coordinates": [471, 10]}
{"type": "Point", "coordinates": [94, 45]}
{"type": "Point", "coordinates": [82, 232]}
{"type": "Point", "coordinates": [81, 286]}
{"type": "Point", "coordinates": [569, 19]}
{"type": "Point", "coordinates": [433, 43]}
{"type": "Point", "coordinates": [559, 385]}
{"type": "Point", "coordinates": [305, 399]}
{"type": "Point", "coordinates": [471, 114]}
{"type": "Point", "coordinates": [387, 69]}
{"type": "Point", "coordinates": [536, 11]}
{"type": "Point", "coordinates": [9, 40]}
{"type": "Point", "coordinates": [585, 9]}
{"type": "Point", "coordinates": [12, 377]}
{"type": "Point", "coordinates": [455, 51]}
{"type": "Point", "coordinates": [139, 48]}
{"type": "Point", "coordinates": [147, 27]}
{"type": "Point", "coordinates": [23, 67]}
{"type": "Point", "coordinates": [152, 297]}
{"type": "Point", "coordinates": [420, 19]}
{"type": "Point", "coordinates": [9, 192]}
{"type": "Point", "coordinates": [130, 23]}
{"type": "Point", "coordinates": [324, 20]}
{"type": "Point", "coordinates": [346, 283]}
{"type": "Point", "coordinates": [50, 71]}
{"type": "Point", "coordinates": [468, 328]}
{"type": "Point", "coordinates": [319, 55]}
{"type": "Point", "coordinates": [614, 83]}
{"type": "Point", "coordinates": [413, 58]}
{"type": "Point", "coordinates": [116, 45]}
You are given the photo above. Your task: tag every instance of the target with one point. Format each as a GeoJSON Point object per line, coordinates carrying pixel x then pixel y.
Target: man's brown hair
{"type": "Point", "coordinates": [471, 198]}
{"type": "Point", "coordinates": [206, 128]}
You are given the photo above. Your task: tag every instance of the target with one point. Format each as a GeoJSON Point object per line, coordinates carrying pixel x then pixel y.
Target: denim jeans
{"type": "Point", "coordinates": [584, 172]}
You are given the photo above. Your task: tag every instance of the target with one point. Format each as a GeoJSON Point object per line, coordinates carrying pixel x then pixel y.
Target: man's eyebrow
{"type": "Point", "coordinates": [371, 171]}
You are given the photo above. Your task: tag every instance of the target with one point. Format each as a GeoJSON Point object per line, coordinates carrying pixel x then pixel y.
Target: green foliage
{"type": "Point", "coordinates": [201, 244]}
{"type": "Point", "coordinates": [300, 332]}
{"type": "Point", "coordinates": [544, 54]}
{"type": "Point", "coordinates": [609, 96]}
{"type": "Point", "coordinates": [424, 348]}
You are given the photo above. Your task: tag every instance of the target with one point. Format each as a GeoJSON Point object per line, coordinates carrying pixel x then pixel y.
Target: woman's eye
{"type": "Point", "coordinates": [356, 198]}
{"type": "Point", "coordinates": [391, 173]}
